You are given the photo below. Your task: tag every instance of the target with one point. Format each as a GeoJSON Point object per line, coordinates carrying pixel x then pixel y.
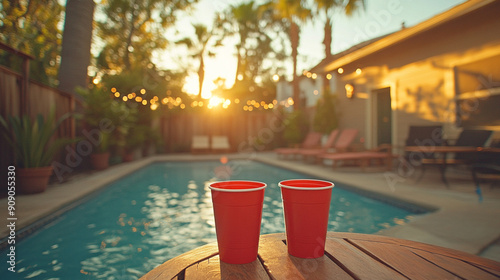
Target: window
{"type": "Point", "coordinates": [478, 93]}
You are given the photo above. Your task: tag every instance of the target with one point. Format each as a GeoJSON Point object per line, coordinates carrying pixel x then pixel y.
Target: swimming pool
{"type": "Point", "coordinates": [162, 211]}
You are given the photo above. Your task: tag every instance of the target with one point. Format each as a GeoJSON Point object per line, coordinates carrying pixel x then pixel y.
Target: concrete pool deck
{"type": "Point", "coordinates": [458, 221]}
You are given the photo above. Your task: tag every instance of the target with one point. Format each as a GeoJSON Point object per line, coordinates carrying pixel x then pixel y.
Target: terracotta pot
{"type": "Point", "coordinates": [128, 157]}
{"type": "Point", "coordinates": [33, 180]}
{"type": "Point", "coordinates": [100, 161]}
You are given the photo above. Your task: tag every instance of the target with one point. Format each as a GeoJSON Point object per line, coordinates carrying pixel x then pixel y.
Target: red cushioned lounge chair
{"type": "Point", "coordinates": [344, 141]}
{"type": "Point", "coordinates": [313, 140]}
{"type": "Point", "coordinates": [313, 152]}
{"type": "Point", "coordinates": [382, 153]}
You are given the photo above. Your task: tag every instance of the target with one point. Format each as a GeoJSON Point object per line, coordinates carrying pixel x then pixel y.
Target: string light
{"type": "Point", "coordinates": [215, 102]}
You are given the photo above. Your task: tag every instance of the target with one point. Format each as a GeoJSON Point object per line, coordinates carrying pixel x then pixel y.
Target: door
{"type": "Point", "coordinates": [384, 115]}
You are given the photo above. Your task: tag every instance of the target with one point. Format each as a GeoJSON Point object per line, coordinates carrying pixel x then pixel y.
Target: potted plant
{"type": "Point", "coordinates": [325, 118]}
{"type": "Point", "coordinates": [135, 141]}
{"type": "Point", "coordinates": [100, 157]}
{"type": "Point", "coordinates": [296, 127]}
{"type": "Point", "coordinates": [106, 117]}
{"type": "Point", "coordinates": [33, 148]}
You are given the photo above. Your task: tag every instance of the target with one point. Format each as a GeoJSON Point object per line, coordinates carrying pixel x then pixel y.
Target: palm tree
{"type": "Point", "coordinates": [327, 7]}
{"type": "Point", "coordinates": [294, 13]}
{"type": "Point", "coordinates": [199, 48]}
{"type": "Point", "coordinates": [245, 22]}
{"type": "Point", "coordinates": [77, 37]}
{"type": "Point", "coordinates": [242, 20]}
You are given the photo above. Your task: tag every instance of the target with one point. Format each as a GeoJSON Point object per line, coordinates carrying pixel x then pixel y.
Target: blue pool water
{"type": "Point", "coordinates": [162, 211]}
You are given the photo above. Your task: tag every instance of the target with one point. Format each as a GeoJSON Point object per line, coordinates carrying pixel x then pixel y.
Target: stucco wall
{"type": "Point", "coordinates": [420, 73]}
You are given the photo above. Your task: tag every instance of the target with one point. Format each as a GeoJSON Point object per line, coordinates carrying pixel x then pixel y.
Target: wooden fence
{"type": "Point", "coordinates": [245, 130]}
{"type": "Point", "coordinates": [21, 96]}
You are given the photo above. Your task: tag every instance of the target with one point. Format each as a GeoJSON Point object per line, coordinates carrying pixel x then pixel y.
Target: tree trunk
{"type": "Point", "coordinates": [238, 65]}
{"type": "Point", "coordinates": [77, 38]}
{"type": "Point", "coordinates": [294, 39]}
{"type": "Point", "coordinates": [201, 76]}
{"type": "Point", "coordinates": [327, 41]}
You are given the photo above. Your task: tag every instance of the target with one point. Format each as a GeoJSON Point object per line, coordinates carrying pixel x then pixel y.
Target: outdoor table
{"type": "Point", "coordinates": [444, 151]}
{"type": "Point", "coordinates": [347, 256]}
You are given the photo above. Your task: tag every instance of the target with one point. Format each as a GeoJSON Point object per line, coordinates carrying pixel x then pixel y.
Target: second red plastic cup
{"type": "Point", "coordinates": [306, 205]}
{"type": "Point", "coordinates": [238, 213]}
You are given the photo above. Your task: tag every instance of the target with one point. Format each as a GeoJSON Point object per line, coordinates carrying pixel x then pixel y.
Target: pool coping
{"type": "Point", "coordinates": [457, 220]}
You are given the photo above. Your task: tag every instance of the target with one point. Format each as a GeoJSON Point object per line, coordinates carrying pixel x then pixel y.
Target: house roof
{"type": "Point", "coordinates": [369, 47]}
{"type": "Point", "coordinates": [326, 61]}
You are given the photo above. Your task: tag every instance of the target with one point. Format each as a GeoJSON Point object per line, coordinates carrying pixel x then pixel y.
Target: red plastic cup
{"type": "Point", "coordinates": [306, 206]}
{"type": "Point", "coordinates": [238, 214]}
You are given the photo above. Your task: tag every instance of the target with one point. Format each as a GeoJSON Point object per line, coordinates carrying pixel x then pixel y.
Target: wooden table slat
{"type": "Point", "coordinates": [361, 265]}
{"type": "Point", "coordinates": [281, 265]}
{"type": "Point", "coordinates": [171, 268]}
{"type": "Point", "coordinates": [213, 268]}
{"type": "Point", "coordinates": [403, 260]}
{"type": "Point", "coordinates": [494, 272]}
{"type": "Point", "coordinates": [458, 267]}
{"type": "Point", "coordinates": [421, 246]}
{"type": "Point", "coordinates": [348, 256]}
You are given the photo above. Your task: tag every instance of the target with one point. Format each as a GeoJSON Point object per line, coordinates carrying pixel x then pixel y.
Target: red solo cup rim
{"type": "Point", "coordinates": [296, 184]}
{"type": "Point", "coordinates": [217, 186]}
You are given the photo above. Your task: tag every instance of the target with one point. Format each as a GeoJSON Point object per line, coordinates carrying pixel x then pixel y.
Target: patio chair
{"type": "Point", "coordinates": [313, 152]}
{"type": "Point", "coordinates": [200, 144]}
{"type": "Point", "coordinates": [220, 143]}
{"type": "Point", "coordinates": [382, 153]}
{"type": "Point", "coordinates": [422, 138]}
{"type": "Point", "coordinates": [312, 140]}
{"type": "Point", "coordinates": [427, 135]}
{"type": "Point", "coordinates": [467, 138]}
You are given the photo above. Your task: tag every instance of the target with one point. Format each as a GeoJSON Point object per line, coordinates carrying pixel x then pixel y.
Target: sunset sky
{"type": "Point", "coordinates": [379, 17]}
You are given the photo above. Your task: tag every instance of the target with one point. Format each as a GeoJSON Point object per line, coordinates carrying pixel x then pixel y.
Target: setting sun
{"type": "Point", "coordinates": [221, 66]}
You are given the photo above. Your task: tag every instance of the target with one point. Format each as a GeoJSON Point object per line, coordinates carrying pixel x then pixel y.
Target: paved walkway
{"type": "Point", "coordinates": [459, 220]}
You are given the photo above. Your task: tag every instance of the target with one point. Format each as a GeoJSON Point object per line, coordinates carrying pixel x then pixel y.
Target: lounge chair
{"type": "Point", "coordinates": [313, 152]}
{"type": "Point", "coordinates": [200, 144]}
{"type": "Point", "coordinates": [220, 144]}
{"type": "Point", "coordinates": [383, 153]}
{"type": "Point", "coordinates": [467, 138]}
{"type": "Point", "coordinates": [344, 141]}
{"type": "Point", "coordinates": [313, 140]}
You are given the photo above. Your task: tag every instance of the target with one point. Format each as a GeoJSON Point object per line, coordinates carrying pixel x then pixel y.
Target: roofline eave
{"type": "Point", "coordinates": [396, 37]}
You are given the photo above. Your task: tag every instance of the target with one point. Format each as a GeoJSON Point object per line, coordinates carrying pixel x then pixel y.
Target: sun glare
{"type": "Point", "coordinates": [215, 101]}
{"type": "Point", "coordinates": [221, 66]}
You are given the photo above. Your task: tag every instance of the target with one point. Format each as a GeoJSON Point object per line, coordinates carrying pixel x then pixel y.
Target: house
{"type": "Point", "coordinates": [445, 70]}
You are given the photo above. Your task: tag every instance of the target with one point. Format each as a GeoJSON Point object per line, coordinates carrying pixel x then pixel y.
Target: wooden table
{"type": "Point", "coordinates": [348, 256]}
{"type": "Point", "coordinates": [444, 151]}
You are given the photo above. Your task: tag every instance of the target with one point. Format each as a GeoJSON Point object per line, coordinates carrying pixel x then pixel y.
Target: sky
{"type": "Point", "coordinates": [378, 18]}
